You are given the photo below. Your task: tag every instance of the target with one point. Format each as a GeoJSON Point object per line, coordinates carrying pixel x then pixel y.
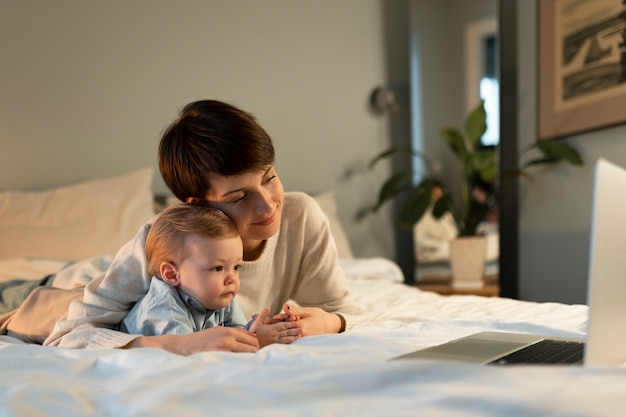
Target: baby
{"type": "Point", "coordinates": [194, 254]}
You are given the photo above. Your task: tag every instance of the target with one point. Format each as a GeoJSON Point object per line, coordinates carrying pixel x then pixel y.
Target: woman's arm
{"type": "Point", "coordinates": [323, 294]}
{"type": "Point", "coordinates": [227, 339]}
{"type": "Point", "coordinates": [92, 321]}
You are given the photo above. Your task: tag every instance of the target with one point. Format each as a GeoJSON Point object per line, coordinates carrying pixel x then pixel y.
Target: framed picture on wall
{"type": "Point", "coordinates": [581, 66]}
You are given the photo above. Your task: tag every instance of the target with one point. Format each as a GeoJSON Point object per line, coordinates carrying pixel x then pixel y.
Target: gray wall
{"type": "Point", "coordinates": [86, 87]}
{"type": "Point", "coordinates": [555, 210]}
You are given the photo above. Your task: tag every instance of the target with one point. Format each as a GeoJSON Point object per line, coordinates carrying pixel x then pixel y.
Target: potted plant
{"type": "Point", "coordinates": [477, 192]}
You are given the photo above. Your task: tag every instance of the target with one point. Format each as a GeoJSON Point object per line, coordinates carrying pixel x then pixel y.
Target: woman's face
{"type": "Point", "coordinates": [253, 201]}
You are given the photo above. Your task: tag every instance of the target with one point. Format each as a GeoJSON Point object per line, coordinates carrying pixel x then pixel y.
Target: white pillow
{"type": "Point", "coordinates": [329, 206]}
{"type": "Point", "coordinates": [78, 221]}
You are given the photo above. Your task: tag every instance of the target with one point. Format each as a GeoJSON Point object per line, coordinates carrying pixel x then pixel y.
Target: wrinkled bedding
{"type": "Point", "coordinates": [340, 374]}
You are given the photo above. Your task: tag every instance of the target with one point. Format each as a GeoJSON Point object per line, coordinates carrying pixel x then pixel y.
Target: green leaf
{"type": "Point", "coordinates": [416, 204]}
{"type": "Point", "coordinates": [485, 164]}
{"type": "Point", "coordinates": [455, 140]}
{"type": "Point", "coordinates": [476, 125]}
{"type": "Point", "coordinates": [385, 154]}
{"type": "Point", "coordinates": [443, 205]}
{"type": "Point", "coordinates": [560, 151]}
{"type": "Point", "coordinates": [540, 161]}
{"type": "Point", "coordinates": [474, 162]}
{"type": "Point", "coordinates": [397, 183]}
{"type": "Point", "coordinates": [390, 152]}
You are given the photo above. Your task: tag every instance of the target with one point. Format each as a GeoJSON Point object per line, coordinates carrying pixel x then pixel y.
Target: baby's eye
{"type": "Point", "coordinates": [218, 268]}
{"type": "Point", "coordinates": [237, 267]}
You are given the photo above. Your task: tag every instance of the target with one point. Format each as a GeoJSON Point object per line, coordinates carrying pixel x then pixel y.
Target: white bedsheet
{"type": "Point", "coordinates": [332, 375]}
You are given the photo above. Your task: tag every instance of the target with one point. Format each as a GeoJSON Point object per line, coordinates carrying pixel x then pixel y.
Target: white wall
{"type": "Point", "coordinates": [86, 87]}
{"type": "Point", "coordinates": [555, 210]}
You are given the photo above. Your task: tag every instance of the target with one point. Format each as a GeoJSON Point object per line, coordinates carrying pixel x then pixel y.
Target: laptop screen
{"type": "Point", "coordinates": [606, 344]}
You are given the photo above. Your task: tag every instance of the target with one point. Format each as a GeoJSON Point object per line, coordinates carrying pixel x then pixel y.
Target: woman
{"type": "Point", "coordinates": [217, 153]}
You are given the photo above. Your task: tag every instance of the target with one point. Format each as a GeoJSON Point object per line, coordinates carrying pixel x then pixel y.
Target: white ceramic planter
{"type": "Point", "coordinates": [467, 261]}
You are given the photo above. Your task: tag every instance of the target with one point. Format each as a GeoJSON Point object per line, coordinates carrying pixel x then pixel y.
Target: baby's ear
{"type": "Point", "coordinates": [169, 274]}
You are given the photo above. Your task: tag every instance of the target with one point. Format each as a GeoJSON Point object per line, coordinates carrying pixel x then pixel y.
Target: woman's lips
{"type": "Point", "coordinates": [267, 221]}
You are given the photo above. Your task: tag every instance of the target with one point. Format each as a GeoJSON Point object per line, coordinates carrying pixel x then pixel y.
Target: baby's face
{"type": "Point", "coordinates": [210, 273]}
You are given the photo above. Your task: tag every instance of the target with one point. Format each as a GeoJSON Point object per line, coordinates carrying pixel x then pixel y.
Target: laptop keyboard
{"type": "Point", "coordinates": [549, 352]}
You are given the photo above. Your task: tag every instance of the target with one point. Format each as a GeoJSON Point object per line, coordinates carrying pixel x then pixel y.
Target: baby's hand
{"type": "Point", "coordinates": [275, 330]}
{"type": "Point", "coordinates": [259, 319]}
{"type": "Point", "coordinates": [277, 318]}
{"type": "Point", "coordinates": [284, 317]}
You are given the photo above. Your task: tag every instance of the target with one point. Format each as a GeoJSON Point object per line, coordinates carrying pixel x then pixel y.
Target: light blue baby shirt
{"type": "Point", "coordinates": [166, 310]}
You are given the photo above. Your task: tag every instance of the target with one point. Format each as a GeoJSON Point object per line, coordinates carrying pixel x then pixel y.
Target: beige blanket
{"type": "Point", "coordinates": [33, 321]}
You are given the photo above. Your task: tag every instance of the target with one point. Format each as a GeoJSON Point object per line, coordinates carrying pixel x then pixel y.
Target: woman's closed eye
{"type": "Point", "coordinates": [268, 180]}
{"type": "Point", "coordinates": [240, 198]}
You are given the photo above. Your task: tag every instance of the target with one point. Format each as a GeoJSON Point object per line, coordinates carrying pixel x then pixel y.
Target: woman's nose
{"type": "Point", "coordinates": [264, 203]}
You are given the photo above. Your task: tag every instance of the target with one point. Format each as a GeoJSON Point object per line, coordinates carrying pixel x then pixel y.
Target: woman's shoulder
{"type": "Point", "coordinates": [298, 202]}
{"type": "Point", "coordinates": [302, 212]}
{"type": "Point", "coordinates": [298, 197]}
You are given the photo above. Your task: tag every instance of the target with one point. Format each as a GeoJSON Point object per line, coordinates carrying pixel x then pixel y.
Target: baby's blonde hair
{"type": "Point", "coordinates": [166, 238]}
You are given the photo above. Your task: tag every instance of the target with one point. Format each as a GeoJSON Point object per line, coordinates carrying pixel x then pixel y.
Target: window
{"type": "Point", "coordinates": [490, 91]}
{"type": "Point", "coordinates": [482, 66]}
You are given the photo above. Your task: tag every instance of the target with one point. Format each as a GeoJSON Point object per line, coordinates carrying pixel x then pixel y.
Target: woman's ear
{"type": "Point", "coordinates": [169, 274]}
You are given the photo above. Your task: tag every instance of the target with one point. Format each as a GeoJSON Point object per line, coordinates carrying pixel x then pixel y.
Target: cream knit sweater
{"type": "Point", "coordinates": [299, 264]}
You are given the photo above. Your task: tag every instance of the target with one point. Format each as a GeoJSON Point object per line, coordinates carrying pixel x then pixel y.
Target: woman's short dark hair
{"type": "Point", "coordinates": [211, 138]}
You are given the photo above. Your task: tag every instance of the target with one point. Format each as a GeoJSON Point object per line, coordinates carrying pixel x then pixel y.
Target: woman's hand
{"type": "Point", "coordinates": [227, 339]}
{"type": "Point", "coordinates": [313, 320]}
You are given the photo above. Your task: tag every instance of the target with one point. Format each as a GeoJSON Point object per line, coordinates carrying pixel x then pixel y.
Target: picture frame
{"type": "Point", "coordinates": [581, 71]}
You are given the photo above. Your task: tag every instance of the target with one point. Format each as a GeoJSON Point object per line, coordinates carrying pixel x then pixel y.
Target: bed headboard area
{"type": "Point", "coordinates": [75, 221]}
{"type": "Point", "coordinates": [96, 217]}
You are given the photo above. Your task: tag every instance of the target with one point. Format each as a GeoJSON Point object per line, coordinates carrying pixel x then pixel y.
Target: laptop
{"type": "Point", "coordinates": [606, 297]}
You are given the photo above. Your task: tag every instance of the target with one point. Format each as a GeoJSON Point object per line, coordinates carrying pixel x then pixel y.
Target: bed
{"type": "Point", "coordinates": [340, 374]}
